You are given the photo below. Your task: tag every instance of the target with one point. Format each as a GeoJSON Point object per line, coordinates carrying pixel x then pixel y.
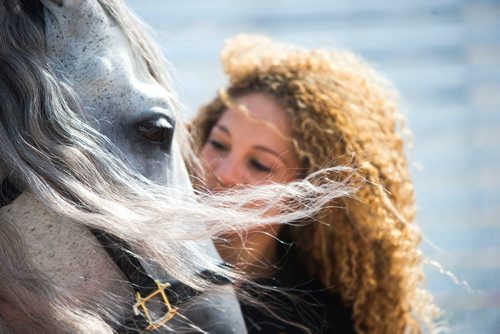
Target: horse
{"type": "Point", "coordinates": [90, 134]}
{"type": "Point", "coordinates": [100, 229]}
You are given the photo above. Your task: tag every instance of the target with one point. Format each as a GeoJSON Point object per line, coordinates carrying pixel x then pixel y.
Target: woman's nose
{"type": "Point", "coordinates": [230, 172]}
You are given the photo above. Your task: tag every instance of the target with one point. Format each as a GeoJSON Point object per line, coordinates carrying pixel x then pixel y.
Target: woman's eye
{"type": "Point", "coordinates": [217, 145]}
{"type": "Point", "coordinates": [260, 167]}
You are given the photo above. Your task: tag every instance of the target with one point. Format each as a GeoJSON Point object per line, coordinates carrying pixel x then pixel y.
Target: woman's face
{"type": "Point", "coordinates": [250, 148]}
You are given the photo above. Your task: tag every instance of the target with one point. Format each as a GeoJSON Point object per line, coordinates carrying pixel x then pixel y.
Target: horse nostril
{"type": "Point", "coordinates": [158, 131]}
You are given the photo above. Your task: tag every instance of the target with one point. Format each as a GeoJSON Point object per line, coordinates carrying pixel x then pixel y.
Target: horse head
{"type": "Point", "coordinates": [118, 75]}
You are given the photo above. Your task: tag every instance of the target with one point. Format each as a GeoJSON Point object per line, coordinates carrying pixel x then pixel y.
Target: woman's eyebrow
{"type": "Point", "coordinates": [222, 128]}
{"type": "Point", "coordinates": [268, 150]}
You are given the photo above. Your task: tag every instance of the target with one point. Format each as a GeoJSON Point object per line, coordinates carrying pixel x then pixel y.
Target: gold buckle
{"type": "Point", "coordinates": [141, 303]}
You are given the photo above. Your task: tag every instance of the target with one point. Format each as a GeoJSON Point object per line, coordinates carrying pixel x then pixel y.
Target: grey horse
{"type": "Point", "coordinates": [82, 90]}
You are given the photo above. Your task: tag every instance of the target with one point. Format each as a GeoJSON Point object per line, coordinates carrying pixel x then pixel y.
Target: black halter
{"type": "Point", "coordinates": [171, 294]}
{"type": "Point", "coordinates": [8, 193]}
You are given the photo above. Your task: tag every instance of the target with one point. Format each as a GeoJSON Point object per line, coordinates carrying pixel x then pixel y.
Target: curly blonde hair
{"type": "Point", "coordinates": [343, 113]}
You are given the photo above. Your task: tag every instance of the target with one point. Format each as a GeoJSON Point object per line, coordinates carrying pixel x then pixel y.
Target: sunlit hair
{"type": "Point", "coordinates": [48, 149]}
{"type": "Point", "coordinates": [365, 247]}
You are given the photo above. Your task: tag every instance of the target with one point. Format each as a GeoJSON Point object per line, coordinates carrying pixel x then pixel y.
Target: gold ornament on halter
{"type": "Point", "coordinates": [141, 303]}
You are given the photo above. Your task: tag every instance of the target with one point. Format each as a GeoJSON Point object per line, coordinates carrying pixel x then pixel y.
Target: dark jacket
{"type": "Point", "coordinates": [298, 300]}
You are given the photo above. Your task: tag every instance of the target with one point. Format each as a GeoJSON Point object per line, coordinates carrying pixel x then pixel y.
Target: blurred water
{"type": "Point", "coordinates": [445, 58]}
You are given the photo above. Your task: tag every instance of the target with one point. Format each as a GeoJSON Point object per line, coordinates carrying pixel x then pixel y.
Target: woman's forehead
{"type": "Point", "coordinates": [261, 111]}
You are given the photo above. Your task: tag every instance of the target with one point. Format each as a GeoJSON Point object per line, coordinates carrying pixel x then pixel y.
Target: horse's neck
{"type": "Point", "coordinates": [66, 253]}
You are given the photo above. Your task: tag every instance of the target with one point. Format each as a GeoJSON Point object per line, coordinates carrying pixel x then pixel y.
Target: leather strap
{"type": "Point", "coordinates": [8, 192]}
{"type": "Point", "coordinates": [135, 273]}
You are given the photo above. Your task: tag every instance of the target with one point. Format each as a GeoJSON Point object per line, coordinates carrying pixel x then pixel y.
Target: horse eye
{"type": "Point", "coordinates": [157, 131]}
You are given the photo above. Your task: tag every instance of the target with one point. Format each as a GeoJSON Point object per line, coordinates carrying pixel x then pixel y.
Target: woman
{"type": "Point", "coordinates": [287, 113]}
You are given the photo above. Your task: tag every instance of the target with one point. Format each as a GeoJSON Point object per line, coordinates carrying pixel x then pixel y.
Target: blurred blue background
{"type": "Point", "coordinates": [444, 57]}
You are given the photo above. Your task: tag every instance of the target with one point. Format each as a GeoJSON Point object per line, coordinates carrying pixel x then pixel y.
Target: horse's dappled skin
{"type": "Point", "coordinates": [107, 66]}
